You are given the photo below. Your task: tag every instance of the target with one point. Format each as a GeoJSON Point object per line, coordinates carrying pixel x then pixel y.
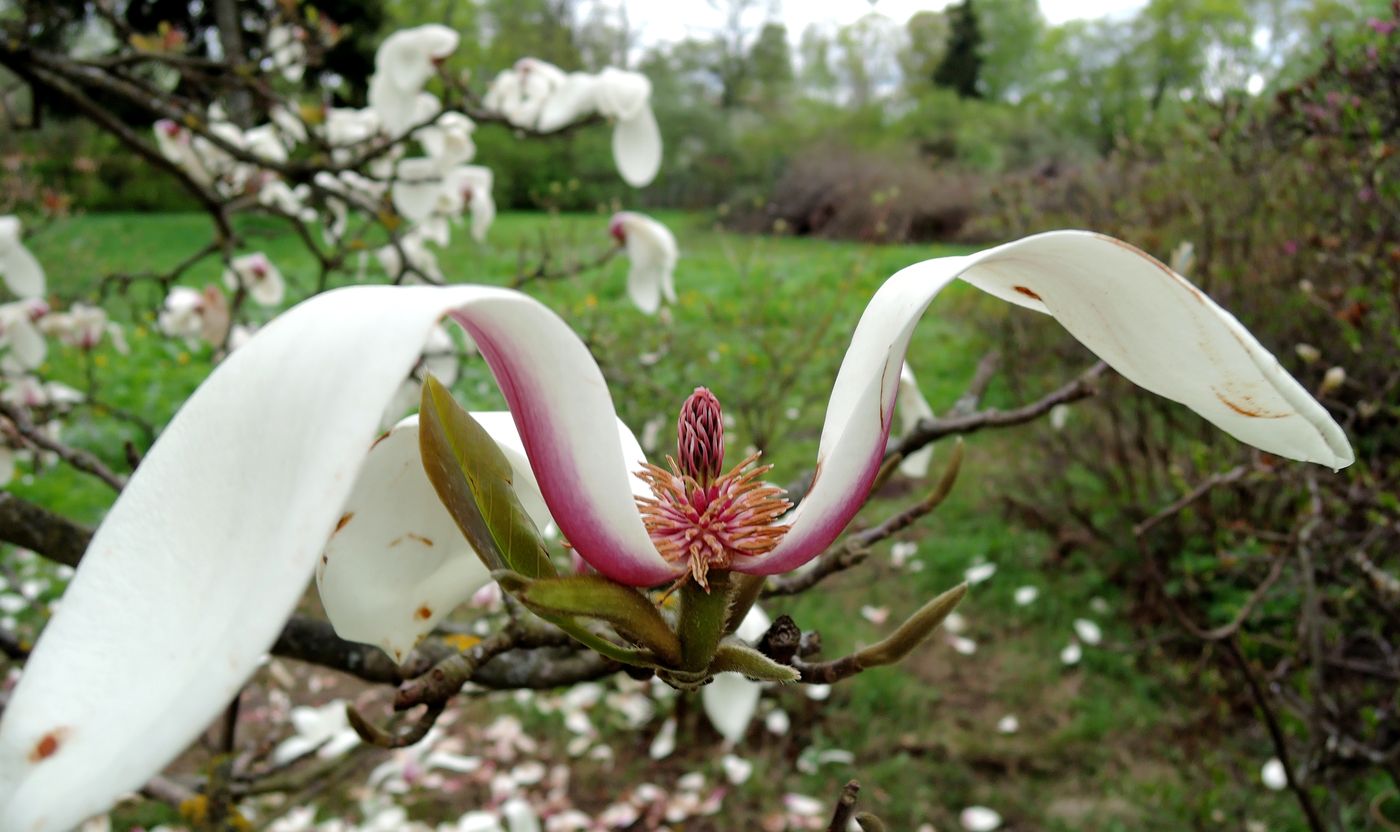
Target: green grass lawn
{"type": "Point", "coordinates": [764, 322]}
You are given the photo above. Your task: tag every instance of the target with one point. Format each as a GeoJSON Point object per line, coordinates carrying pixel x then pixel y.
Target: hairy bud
{"type": "Point", "coordinates": [700, 437]}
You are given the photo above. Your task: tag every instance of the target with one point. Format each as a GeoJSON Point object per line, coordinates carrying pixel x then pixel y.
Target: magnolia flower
{"type": "Point", "coordinates": [652, 249]}
{"type": "Point", "coordinates": [415, 255]}
{"type": "Point", "coordinates": [540, 96]}
{"type": "Point", "coordinates": [20, 338]}
{"type": "Point", "coordinates": [423, 192]}
{"type": "Point", "coordinates": [193, 314]}
{"type": "Point", "coordinates": [29, 392]}
{"type": "Point", "coordinates": [23, 275]}
{"type": "Point", "coordinates": [230, 509]}
{"type": "Point", "coordinates": [175, 143]}
{"type": "Point", "coordinates": [402, 65]}
{"type": "Point", "coordinates": [255, 274]}
{"type": "Point", "coordinates": [913, 408]}
{"type": "Point", "coordinates": [448, 142]}
{"type": "Point", "coordinates": [83, 326]}
{"type": "Point", "coordinates": [287, 49]}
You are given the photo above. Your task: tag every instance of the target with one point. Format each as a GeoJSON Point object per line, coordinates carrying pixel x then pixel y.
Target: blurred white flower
{"type": "Point", "coordinates": [325, 729]}
{"type": "Point", "coordinates": [402, 65]}
{"type": "Point", "coordinates": [255, 275]}
{"type": "Point", "coordinates": [83, 327]}
{"type": "Point", "coordinates": [1026, 595]}
{"type": "Point", "coordinates": [193, 314]}
{"type": "Point", "coordinates": [652, 249]}
{"type": "Point", "coordinates": [1308, 353]}
{"type": "Point", "coordinates": [978, 573]}
{"type": "Point", "coordinates": [23, 275]}
{"type": "Point", "coordinates": [448, 141]}
{"type": "Point", "coordinates": [955, 622]}
{"type": "Point", "coordinates": [1274, 776]}
{"type": "Point", "coordinates": [777, 722]}
{"type": "Point", "coordinates": [963, 645]}
{"type": "Point", "coordinates": [286, 47]}
{"type": "Point", "coordinates": [737, 770]}
{"type": "Point", "coordinates": [875, 615]}
{"type": "Point", "coordinates": [665, 741]}
{"type": "Point", "coordinates": [1008, 724]}
{"type": "Point", "coordinates": [1332, 381]}
{"type": "Point", "coordinates": [1088, 631]}
{"type": "Point", "coordinates": [979, 819]}
{"type": "Point", "coordinates": [902, 551]}
{"type": "Point", "coordinates": [1071, 654]}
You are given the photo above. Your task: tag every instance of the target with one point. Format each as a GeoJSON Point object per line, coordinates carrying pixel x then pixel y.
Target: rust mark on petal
{"type": "Point", "coordinates": [423, 613]}
{"type": "Point", "coordinates": [344, 518]}
{"type": "Point", "coordinates": [1247, 407]}
{"type": "Point", "coordinates": [1027, 292]}
{"type": "Point", "coordinates": [47, 745]}
{"type": "Point", "coordinates": [380, 438]}
{"type": "Point", "coordinates": [1186, 284]}
{"type": "Point", "coordinates": [426, 541]}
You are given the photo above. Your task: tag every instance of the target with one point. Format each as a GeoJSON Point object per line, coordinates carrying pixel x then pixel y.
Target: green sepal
{"type": "Point", "coordinates": [739, 658]}
{"type": "Point", "coordinates": [473, 479]}
{"type": "Point", "coordinates": [912, 632]}
{"type": "Point", "coordinates": [518, 585]}
{"type": "Point", "coordinates": [628, 611]}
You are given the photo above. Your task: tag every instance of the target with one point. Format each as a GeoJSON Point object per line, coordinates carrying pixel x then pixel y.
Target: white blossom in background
{"type": "Point", "coordinates": [84, 327]}
{"type": "Point", "coordinates": [175, 143]}
{"type": "Point", "coordinates": [23, 275]}
{"type": "Point", "coordinates": [537, 95]}
{"type": "Point", "coordinates": [1008, 724]}
{"type": "Point", "coordinates": [1088, 631]}
{"type": "Point", "coordinates": [1332, 381]}
{"type": "Point", "coordinates": [730, 700]}
{"type": "Point", "coordinates": [194, 315]}
{"type": "Point", "coordinates": [665, 741]}
{"type": "Point", "coordinates": [325, 730]}
{"type": "Point", "coordinates": [652, 249]}
{"type": "Point", "coordinates": [875, 615]}
{"type": "Point", "coordinates": [403, 64]}
{"type": "Point", "coordinates": [256, 275]}
{"type": "Point", "coordinates": [979, 573]}
{"type": "Point", "coordinates": [1274, 775]}
{"type": "Point", "coordinates": [1071, 654]}
{"type": "Point", "coordinates": [902, 551]}
{"type": "Point", "coordinates": [1026, 595]}
{"type": "Point", "coordinates": [979, 819]}
{"type": "Point", "coordinates": [961, 644]}
{"type": "Point", "coordinates": [912, 408]}
{"type": "Point", "coordinates": [22, 344]}
{"type": "Point", "coordinates": [416, 255]}
{"type": "Point", "coordinates": [448, 141]}
{"type": "Point", "coordinates": [286, 48]}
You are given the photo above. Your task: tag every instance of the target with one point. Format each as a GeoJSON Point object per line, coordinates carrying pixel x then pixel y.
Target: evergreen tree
{"type": "Point", "coordinates": [961, 67]}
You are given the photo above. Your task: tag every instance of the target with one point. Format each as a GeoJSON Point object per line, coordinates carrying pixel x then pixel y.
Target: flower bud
{"type": "Point", "coordinates": [700, 437]}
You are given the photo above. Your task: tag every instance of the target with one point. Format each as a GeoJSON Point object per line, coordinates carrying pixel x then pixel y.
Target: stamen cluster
{"type": "Point", "coordinates": [700, 516]}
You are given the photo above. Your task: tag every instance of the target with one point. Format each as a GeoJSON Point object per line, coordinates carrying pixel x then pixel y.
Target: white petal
{"type": "Point", "coordinates": [1088, 631]}
{"type": "Point", "coordinates": [636, 144]}
{"type": "Point", "coordinates": [1274, 775]}
{"type": "Point", "coordinates": [217, 532]}
{"type": "Point", "coordinates": [730, 702]}
{"type": "Point", "coordinates": [1026, 595]}
{"type": "Point", "coordinates": [1147, 322]}
{"type": "Point", "coordinates": [396, 564]}
{"type": "Point", "coordinates": [572, 100]}
{"type": "Point", "coordinates": [665, 741]}
{"type": "Point", "coordinates": [912, 408]}
{"type": "Point", "coordinates": [23, 275]}
{"type": "Point", "coordinates": [979, 819]}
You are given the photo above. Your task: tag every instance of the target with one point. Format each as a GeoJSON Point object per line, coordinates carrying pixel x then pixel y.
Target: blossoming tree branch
{"type": "Point", "coordinates": [279, 468]}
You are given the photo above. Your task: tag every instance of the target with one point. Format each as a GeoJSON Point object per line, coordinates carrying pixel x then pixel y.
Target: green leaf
{"type": "Point", "coordinates": [473, 479]}
{"type": "Point", "coordinates": [628, 611]}
{"type": "Point", "coordinates": [912, 632]}
{"type": "Point", "coordinates": [753, 664]}
{"type": "Point", "coordinates": [518, 585]}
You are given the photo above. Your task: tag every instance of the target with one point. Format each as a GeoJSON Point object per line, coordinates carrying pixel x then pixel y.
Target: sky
{"type": "Point", "coordinates": [672, 20]}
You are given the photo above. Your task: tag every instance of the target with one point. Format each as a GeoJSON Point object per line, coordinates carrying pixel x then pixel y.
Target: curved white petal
{"type": "Point", "coordinates": [730, 702]}
{"type": "Point", "coordinates": [912, 408]}
{"type": "Point", "coordinates": [652, 250]}
{"type": "Point", "coordinates": [418, 185]}
{"type": "Point", "coordinates": [23, 275]}
{"type": "Point", "coordinates": [25, 344]}
{"type": "Point", "coordinates": [217, 532]}
{"type": "Point", "coordinates": [636, 145]}
{"type": "Point", "coordinates": [575, 98]}
{"type": "Point", "coordinates": [1144, 320]}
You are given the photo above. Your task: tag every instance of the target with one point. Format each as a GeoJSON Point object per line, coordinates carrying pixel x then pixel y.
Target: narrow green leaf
{"type": "Point", "coordinates": [913, 631]}
{"type": "Point", "coordinates": [629, 612]}
{"type": "Point", "coordinates": [473, 479]}
{"type": "Point", "coordinates": [753, 664]}
{"type": "Point", "coordinates": [518, 585]}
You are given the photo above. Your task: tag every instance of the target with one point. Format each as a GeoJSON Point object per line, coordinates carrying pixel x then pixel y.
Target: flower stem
{"type": "Point", "coordinates": [702, 620]}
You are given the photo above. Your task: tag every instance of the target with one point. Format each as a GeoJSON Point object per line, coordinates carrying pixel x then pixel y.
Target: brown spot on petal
{"type": "Point", "coordinates": [344, 518]}
{"type": "Point", "coordinates": [423, 613]}
{"type": "Point", "coordinates": [47, 745]}
{"type": "Point", "coordinates": [1027, 292]}
{"type": "Point", "coordinates": [1247, 407]}
{"type": "Point", "coordinates": [1186, 284]}
{"type": "Point", "coordinates": [380, 438]}
{"type": "Point", "coordinates": [426, 541]}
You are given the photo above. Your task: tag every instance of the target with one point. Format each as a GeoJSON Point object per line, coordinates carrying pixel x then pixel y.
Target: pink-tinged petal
{"type": "Point", "coordinates": [567, 422]}
{"type": "Point", "coordinates": [1147, 322]}
{"type": "Point", "coordinates": [209, 547]}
